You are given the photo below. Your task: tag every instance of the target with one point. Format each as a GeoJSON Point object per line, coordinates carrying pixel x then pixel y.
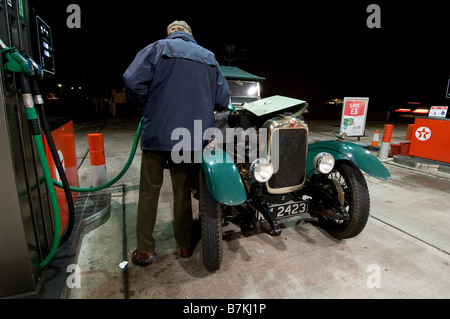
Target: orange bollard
{"type": "Point", "coordinates": [409, 132]}
{"type": "Point", "coordinates": [386, 141]}
{"type": "Point", "coordinates": [388, 128]}
{"type": "Point", "coordinates": [97, 156]}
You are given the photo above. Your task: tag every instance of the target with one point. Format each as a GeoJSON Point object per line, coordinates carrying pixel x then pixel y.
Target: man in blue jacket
{"type": "Point", "coordinates": [179, 84]}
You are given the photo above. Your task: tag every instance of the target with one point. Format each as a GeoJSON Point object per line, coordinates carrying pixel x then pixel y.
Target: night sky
{"type": "Point", "coordinates": [313, 50]}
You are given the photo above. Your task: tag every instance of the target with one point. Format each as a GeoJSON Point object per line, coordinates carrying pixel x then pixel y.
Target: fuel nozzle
{"type": "Point", "coordinates": [16, 62]}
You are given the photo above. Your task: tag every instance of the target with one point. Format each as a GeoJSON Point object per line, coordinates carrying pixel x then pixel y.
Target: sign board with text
{"type": "Point", "coordinates": [438, 111]}
{"type": "Point", "coordinates": [354, 114]}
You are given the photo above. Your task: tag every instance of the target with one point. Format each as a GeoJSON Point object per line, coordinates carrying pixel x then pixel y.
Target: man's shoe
{"type": "Point", "coordinates": [143, 259]}
{"type": "Point", "coordinates": [185, 253]}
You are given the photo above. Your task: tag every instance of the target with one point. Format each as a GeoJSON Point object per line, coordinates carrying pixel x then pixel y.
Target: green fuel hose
{"type": "Point", "coordinates": [35, 131]}
{"type": "Point", "coordinates": [32, 118]}
{"type": "Point", "coordinates": [33, 122]}
{"type": "Point", "coordinates": [115, 179]}
{"type": "Point", "coordinates": [24, 72]}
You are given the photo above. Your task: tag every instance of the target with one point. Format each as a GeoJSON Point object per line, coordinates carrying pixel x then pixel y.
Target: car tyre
{"type": "Point", "coordinates": [356, 201]}
{"type": "Point", "coordinates": [211, 227]}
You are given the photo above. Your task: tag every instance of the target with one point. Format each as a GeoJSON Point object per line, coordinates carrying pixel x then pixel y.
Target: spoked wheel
{"type": "Point", "coordinates": [211, 226]}
{"type": "Point", "coordinates": [349, 187]}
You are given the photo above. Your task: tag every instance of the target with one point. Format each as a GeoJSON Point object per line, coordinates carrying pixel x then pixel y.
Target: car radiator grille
{"type": "Point", "coordinates": [290, 151]}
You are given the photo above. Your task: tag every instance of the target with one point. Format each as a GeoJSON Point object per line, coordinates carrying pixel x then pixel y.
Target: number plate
{"type": "Point", "coordinates": [287, 210]}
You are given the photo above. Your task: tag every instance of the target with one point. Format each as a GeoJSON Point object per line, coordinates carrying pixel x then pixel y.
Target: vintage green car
{"type": "Point", "coordinates": [262, 169]}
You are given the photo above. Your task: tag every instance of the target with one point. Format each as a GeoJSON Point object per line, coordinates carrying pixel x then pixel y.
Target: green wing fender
{"type": "Point", "coordinates": [223, 178]}
{"type": "Point", "coordinates": [341, 150]}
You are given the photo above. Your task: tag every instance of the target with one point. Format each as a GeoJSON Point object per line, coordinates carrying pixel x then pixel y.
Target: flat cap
{"type": "Point", "coordinates": [178, 26]}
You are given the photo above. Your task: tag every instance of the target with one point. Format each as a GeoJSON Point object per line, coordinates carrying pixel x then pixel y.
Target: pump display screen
{"type": "Point", "coordinates": [46, 52]}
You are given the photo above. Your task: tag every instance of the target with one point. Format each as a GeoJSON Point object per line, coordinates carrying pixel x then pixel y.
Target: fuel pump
{"type": "Point", "coordinates": [23, 68]}
{"type": "Point", "coordinates": [28, 70]}
{"type": "Point", "coordinates": [28, 67]}
{"type": "Point", "coordinates": [31, 216]}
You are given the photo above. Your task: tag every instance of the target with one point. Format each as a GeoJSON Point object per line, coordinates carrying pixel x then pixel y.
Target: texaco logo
{"type": "Point", "coordinates": [423, 133]}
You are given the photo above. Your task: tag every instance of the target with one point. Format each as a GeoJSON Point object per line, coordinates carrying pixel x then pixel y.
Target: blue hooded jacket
{"type": "Point", "coordinates": [180, 84]}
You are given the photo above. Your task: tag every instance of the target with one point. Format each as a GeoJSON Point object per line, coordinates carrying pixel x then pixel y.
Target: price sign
{"type": "Point", "coordinates": [354, 114]}
{"type": "Point", "coordinates": [438, 111]}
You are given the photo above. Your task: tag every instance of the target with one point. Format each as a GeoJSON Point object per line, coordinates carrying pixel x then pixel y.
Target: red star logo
{"type": "Point", "coordinates": [423, 133]}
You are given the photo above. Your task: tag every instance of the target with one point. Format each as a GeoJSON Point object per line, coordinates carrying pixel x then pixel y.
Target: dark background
{"type": "Point", "coordinates": [311, 50]}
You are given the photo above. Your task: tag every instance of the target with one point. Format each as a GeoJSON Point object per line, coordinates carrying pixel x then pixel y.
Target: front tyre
{"type": "Point", "coordinates": [352, 191]}
{"type": "Point", "coordinates": [211, 227]}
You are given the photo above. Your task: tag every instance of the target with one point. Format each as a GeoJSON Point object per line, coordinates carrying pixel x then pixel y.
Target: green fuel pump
{"type": "Point", "coordinates": [27, 70]}
{"type": "Point", "coordinates": [23, 67]}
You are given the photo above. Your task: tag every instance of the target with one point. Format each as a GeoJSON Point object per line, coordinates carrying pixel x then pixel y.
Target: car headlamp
{"type": "Point", "coordinates": [342, 135]}
{"type": "Point", "coordinates": [261, 170]}
{"type": "Point", "coordinates": [323, 162]}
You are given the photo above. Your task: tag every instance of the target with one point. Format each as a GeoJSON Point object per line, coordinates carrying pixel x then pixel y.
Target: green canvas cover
{"type": "Point", "coordinates": [233, 72]}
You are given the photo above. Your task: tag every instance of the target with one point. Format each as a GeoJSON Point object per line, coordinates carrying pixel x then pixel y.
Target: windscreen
{"type": "Point", "coordinates": [243, 91]}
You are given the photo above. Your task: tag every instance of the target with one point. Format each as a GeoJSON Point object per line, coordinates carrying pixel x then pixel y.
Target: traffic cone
{"type": "Point", "coordinates": [376, 138]}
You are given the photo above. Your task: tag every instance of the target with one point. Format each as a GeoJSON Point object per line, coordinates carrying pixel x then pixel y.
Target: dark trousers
{"type": "Point", "coordinates": [151, 180]}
